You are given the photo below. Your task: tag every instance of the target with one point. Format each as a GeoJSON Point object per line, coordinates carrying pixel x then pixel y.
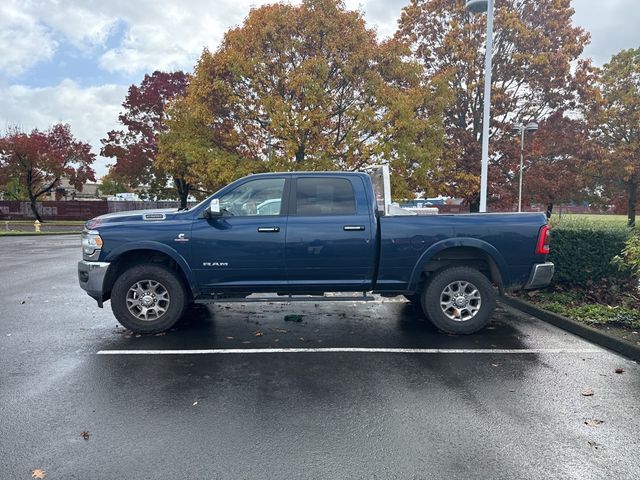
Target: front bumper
{"type": "Point", "coordinates": [541, 275]}
{"type": "Point", "coordinates": [91, 277]}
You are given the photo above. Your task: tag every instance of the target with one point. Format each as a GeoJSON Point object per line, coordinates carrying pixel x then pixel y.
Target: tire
{"type": "Point", "coordinates": [166, 298]}
{"type": "Point", "coordinates": [459, 300]}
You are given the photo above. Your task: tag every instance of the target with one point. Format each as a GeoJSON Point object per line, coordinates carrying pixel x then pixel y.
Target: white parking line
{"type": "Point", "coordinates": [253, 351]}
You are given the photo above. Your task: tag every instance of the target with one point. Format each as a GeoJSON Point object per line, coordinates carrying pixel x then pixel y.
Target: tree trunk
{"type": "Point", "coordinates": [632, 190]}
{"type": "Point", "coordinates": [474, 205]}
{"type": "Point", "coordinates": [183, 192]}
{"type": "Point", "coordinates": [300, 153]}
{"type": "Point", "coordinates": [32, 201]}
{"type": "Point", "coordinates": [549, 209]}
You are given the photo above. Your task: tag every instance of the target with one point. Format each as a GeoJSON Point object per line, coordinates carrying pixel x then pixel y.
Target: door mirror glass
{"type": "Point", "coordinates": [214, 208]}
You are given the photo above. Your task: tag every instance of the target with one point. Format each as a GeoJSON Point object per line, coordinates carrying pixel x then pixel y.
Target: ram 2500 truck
{"type": "Point", "coordinates": [301, 235]}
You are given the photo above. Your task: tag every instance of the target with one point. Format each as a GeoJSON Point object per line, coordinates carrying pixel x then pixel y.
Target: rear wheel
{"type": "Point", "coordinates": [459, 300]}
{"type": "Point", "coordinates": [148, 298]}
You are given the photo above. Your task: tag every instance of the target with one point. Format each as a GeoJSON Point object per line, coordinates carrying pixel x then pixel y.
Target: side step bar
{"type": "Point", "coordinates": [285, 299]}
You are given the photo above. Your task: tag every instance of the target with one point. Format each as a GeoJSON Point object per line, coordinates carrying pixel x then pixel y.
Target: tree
{"type": "Point", "coordinates": [310, 87]}
{"type": "Point", "coordinates": [39, 160]}
{"type": "Point", "coordinates": [614, 115]}
{"type": "Point", "coordinates": [110, 185]}
{"type": "Point", "coordinates": [195, 153]}
{"type": "Point", "coordinates": [534, 46]}
{"type": "Point", "coordinates": [11, 188]}
{"type": "Point", "coordinates": [555, 168]}
{"type": "Point", "coordinates": [136, 147]}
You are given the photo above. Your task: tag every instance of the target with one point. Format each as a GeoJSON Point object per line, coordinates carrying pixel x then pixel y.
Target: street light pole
{"type": "Point", "coordinates": [487, 108]}
{"type": "Point", "coordinates": [522, 130]}
{"type": "Point", "coordinates": [477, 6]}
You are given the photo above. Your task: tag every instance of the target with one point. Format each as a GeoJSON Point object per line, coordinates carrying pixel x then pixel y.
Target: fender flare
{"type": "Point", "coordinates": [115, 254]}
{"type": "Point", "coordinates": [438, 247]}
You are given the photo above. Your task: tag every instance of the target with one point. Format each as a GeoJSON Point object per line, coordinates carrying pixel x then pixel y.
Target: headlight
{"type": "Point", "coordinates": [91, 242]}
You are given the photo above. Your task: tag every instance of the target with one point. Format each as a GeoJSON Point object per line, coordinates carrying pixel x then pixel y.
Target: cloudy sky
{"type": "Point", "coordinates": [73, 60]}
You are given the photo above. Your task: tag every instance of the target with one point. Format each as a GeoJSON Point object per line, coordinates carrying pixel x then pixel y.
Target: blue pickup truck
{"type": "Point", "coordinates": [299, 236]}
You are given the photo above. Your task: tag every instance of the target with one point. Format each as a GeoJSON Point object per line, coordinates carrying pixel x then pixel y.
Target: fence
{"type": "Point", "coordinates": [73, 210]}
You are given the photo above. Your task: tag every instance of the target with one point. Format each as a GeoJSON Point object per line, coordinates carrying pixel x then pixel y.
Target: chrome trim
{"type": "Point", "coordinates": [154, 216]}
{"type": "Point", "coordinates": [541, 275]}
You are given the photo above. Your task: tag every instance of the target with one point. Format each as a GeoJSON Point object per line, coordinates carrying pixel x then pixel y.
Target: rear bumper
{"type": "Point", "coordinates": [91, 277]}
{"type": "Point", "coordinates": [541, 275]}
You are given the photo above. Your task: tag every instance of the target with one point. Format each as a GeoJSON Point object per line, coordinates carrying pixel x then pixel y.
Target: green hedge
{"type": "Point", "coordinates": [583, 250]}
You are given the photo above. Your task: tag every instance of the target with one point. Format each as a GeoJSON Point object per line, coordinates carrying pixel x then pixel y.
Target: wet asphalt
{"type": "Point", "coordinates": [555, 410]}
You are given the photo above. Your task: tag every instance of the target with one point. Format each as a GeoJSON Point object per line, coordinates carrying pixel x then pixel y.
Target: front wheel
{"type": "Point", "coordinates": [148, 299]}
{"type": "Point", "coordinates": [459, 300]}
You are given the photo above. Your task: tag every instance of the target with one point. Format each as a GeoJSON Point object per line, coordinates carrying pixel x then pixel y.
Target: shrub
{"type": "Point", "coordinates": [629, 260]}
{"type": "Point", "coordinates": [583, 252]}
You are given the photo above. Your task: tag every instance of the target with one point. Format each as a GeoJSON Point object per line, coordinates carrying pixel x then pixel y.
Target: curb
{"type": "Point", "coordinates": [41, 234]}
{"type": "Point", "coordinates": [594, 335]}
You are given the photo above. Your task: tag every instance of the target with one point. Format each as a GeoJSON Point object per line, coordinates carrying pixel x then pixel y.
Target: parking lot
{"type": "Point", "coordinates": [353, 390]}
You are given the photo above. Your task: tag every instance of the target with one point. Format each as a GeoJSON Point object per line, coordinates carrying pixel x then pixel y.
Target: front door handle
{"type": "Point", "coordinates": [268, 229]}
{"type": "Point", "coordinates": [350, 228]}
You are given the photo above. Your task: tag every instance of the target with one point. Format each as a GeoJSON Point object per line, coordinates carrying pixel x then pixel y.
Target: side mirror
{"type": "Point", "coordinates": [214, 208]}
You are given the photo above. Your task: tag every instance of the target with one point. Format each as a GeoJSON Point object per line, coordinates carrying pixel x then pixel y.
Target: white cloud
{"type": "Point", "coordinates": [91, 111]}
{"type": "Point", "coordinates": [613, 26]}
{"type": "Point", "coordinates": [23, 41]}
{"type": "Point", "coordinates": [156, 34]}
{"type": "Point", "coordinates": [170, 34]}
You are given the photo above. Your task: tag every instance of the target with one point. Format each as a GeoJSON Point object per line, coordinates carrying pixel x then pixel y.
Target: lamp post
{"type": "Point", "coordinates": [521, 130]}
{"type": "Point", "coordinates": [479, 6]}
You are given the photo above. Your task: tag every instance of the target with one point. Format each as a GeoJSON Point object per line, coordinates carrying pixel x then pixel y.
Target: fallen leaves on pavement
{"type": "Point", "coordinates": [258, 333]}
{"type": "Point", "coordinates": [593, 422]}
{"type": "Point", "coordinates": [587, 393]}
{"type": "Point", "coordinates": [619, 370]}
{"type": "Point", "coordinates": [38, 473]}
{"type": "Point", "coordinates": [85, 435]}
{"type": "Point", "coordinates": [594, 445]}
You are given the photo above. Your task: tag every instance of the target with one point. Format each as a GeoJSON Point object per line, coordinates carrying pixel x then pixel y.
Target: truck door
{"type": "Point", "coordinates": [330, 234]}
{"type": "Point", "coordinates": [243, 250]}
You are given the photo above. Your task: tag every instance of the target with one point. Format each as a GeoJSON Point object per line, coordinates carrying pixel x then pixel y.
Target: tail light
{"type": "Point", "coordinates": [544, 238]}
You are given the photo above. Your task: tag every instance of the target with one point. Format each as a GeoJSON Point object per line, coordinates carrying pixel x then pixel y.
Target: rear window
{"type": "Point", "coordinates": [325, 196]}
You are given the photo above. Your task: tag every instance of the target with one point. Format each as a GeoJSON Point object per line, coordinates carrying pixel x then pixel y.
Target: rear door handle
{"type": "Point", "coordinates": [350, 228]}
{"type": "Point", "coordinates": [268, 229]}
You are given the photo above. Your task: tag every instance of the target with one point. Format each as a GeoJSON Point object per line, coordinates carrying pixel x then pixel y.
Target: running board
{"type": "Point", "coordinates": [284, 299]}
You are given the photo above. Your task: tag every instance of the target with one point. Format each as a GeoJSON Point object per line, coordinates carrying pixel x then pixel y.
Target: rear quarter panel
{"type": "Point", "coordinates": [408, 242]}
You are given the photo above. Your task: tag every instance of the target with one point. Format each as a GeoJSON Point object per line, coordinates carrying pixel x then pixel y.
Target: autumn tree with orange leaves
{"type": "Point", "coordinates": [534, 46]}
{"type": "Point", "coordinates": [309, 87]}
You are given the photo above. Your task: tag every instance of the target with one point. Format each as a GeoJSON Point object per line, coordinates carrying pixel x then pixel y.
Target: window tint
{"type": "Point", "coordinates": [325, 196]}
{"type": "Point", "coordinates": [257, 197]}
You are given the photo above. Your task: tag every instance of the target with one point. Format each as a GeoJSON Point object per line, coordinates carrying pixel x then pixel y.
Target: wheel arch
{"type": "Point", "coordinates": [460, 252]}
{"type": "Point", "coordinates": [148, 253]}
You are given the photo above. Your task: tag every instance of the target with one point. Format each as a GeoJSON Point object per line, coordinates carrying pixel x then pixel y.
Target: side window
{"type": "Point", "coordinates": [325, 196]}
{"type": "Point", "coordinates": [257, 197]}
